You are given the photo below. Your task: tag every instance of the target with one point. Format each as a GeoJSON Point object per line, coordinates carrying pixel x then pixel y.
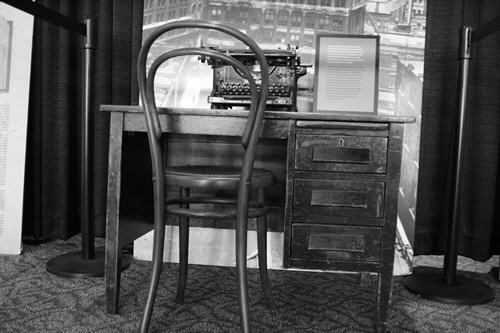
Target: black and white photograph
{"type": "Point", "coordinates": [250, 166]}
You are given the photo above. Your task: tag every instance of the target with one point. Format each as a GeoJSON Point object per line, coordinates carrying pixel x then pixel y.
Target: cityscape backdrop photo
{"type": "Point", "coordinates": [294, 24]}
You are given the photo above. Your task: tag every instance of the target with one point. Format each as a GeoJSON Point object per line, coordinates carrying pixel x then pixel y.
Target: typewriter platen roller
{"type": "Point", "coordinates": [230, 88]}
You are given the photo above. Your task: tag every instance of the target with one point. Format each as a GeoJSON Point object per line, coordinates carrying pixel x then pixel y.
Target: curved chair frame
{"type": "Point", "coordinates": [249, 143]}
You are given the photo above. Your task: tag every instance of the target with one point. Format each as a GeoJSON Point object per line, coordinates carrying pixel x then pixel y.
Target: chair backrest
{"type": "Point", "coordinates": [254, 93]}
{"type": "Point", "coordinates": [150, 108]}
{"type": "Point", "coordinates": [146, 88]}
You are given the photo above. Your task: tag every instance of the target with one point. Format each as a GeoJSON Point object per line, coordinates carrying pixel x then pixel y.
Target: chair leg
{"type": "Point", "coordinates": [183, 251]}
{"type": "Point", "coordinates": [241, 260]}
{"type": "Point", "coordinates": [262, 255]}
{"type": "Point", "coordinates": [153, 286]}
{"type": "Point", "coordinates": [158, 244]}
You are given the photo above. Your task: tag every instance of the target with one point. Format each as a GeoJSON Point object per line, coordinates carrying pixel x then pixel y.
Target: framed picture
{"type": "Point", "coordinates": [346, 73]}
{"type": "Point", "coordinates": [5, 52]}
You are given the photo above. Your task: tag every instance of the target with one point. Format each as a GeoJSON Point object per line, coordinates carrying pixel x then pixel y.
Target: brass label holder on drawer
{"type": "Point", "coordinates": [336, 242]}
{"type": "Point", "coordinates": [341, 154]}
{"type": "Point", "coordinates": [331, 198]}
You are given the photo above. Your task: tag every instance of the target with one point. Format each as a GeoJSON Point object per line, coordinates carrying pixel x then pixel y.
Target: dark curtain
{"type": "Point", "coordinates": [51, 200]}
{"type": "Point", "coordinates": [479, 236]}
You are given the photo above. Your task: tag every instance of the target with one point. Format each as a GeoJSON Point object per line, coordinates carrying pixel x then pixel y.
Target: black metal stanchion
{"type": "Point", "coordinates": [88, 262]}
{"type": "Point", "coordinates": [447, 287]}
{"type": "Point", "coordinates": [495, 273]}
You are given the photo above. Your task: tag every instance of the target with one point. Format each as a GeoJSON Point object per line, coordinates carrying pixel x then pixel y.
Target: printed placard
{"type": "Point", "coordinates": [346, 73]}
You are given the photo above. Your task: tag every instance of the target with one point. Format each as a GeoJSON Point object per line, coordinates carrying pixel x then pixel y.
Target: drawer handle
{"type": "Point", "coordinates": [341, 154]}
{"type": "Point", "coordinates": [336, 242]}
{"type": "Point", "coordinates": [348, 199]}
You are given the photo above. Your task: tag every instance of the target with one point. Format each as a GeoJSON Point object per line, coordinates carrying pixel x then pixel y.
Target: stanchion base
{"type": "Point", "coordinates": [73, 265]}
{"type": "Point", "coordinates": [465, 291]}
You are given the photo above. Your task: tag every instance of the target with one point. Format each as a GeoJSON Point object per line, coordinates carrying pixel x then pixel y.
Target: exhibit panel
{"type": "Point", "coordinates": [16, 30]}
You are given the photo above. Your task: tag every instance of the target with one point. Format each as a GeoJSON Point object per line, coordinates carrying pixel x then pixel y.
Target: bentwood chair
{"type": "Point", "coordinates": [241, 181]}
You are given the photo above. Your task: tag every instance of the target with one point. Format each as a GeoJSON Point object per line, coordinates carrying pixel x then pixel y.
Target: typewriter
{"type": "Point", "coordinates": [231, 88]}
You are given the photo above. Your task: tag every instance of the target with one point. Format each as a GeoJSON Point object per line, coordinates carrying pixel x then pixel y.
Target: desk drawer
{"type": "Point", "coordinates": [332, 242]}
{"type": "Point", "coordinates": [341, 153]}
{"type": "Point", "coordinates": [315, 197]}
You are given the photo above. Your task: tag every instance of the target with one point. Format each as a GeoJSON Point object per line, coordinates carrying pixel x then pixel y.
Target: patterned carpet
{"type": "Point", "coordinates": [31, 300]}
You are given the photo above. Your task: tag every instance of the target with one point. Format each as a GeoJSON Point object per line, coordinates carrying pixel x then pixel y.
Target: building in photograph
{"type": "Point", "coordinates": [286, 21]}
{"type": "Point", "coordinates": [408, 98]}
{"type": "Point", "coordinates": [419, 8]}
{"type": "Point", "coordinates": [383, 11]}
{"type": "Point", "coordinates": [405, 16]}
{"type": "Point", "coordinates": [164, 10]}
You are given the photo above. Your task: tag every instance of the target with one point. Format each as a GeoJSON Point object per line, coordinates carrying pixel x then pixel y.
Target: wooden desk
{"type": "Point", "coordinates": [342, 176]}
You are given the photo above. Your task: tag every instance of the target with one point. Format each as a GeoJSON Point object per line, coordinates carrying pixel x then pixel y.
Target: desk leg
{"type": "Point", "coordinates": [113, 250]}
{"type": "Point", "coordinates": [389, 232]}
{"type": "Point", "coordinates": [383, 298]}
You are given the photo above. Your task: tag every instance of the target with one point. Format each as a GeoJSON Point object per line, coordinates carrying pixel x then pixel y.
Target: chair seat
{"type": "Point", "coordinates": [226, 208]}
{"type": "Point", "coordinates": [215, 177]}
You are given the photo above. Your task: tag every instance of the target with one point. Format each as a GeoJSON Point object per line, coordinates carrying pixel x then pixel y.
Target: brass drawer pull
{"type": "Point", "coordinates": [341, 154]}
{"type": "Point", "coordinates": [336, 242]}
{"type": "Point", "coordinates": [349, 199]}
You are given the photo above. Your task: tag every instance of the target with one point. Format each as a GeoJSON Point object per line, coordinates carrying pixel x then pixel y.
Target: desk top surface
{"type": "Point", "coordinates": [134, 109]}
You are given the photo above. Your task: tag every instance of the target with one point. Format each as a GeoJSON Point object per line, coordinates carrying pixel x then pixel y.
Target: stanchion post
{"type": "Point", "coordinates": [451, 254]}
{"type": "Point", "coordinates": [446, 286]}
{"type": "Point", "coordinates": [87, 156]}
{"type": "Point", "coordinates": [88, 262]}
